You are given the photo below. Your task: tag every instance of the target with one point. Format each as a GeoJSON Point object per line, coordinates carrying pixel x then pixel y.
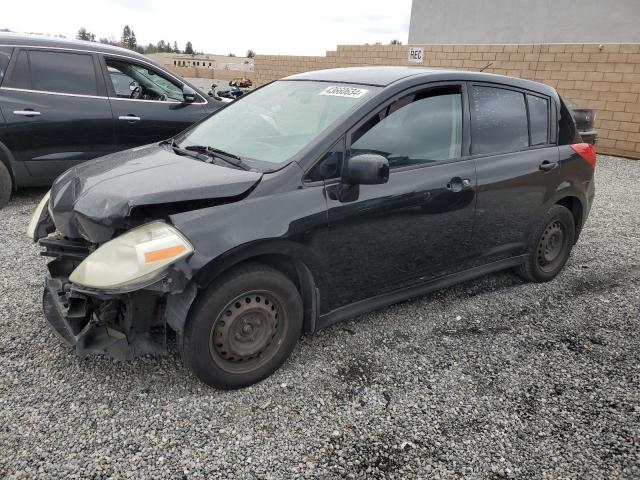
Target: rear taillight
{"type": "Point", "coordinates": [586, 151]}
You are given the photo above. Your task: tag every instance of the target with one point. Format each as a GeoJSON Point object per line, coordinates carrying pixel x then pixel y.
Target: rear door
{"type": "Point", "coordinates": [56, 111]}
{"type": "Point", "coordinates": [418, 225]}
{"type": "Point", "coordinates": [517, 165]}
{"type": "Point", "coordinates": [157, 112]}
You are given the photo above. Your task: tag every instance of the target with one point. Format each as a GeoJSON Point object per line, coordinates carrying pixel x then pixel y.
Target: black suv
{"type": "Point", "coordinates": [310, 200]}
{"type": "Point", "coordinates": [63, 102]}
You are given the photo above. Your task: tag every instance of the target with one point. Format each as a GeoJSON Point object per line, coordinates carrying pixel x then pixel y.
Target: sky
{"type": "Point", "coordinates": [270, 27]}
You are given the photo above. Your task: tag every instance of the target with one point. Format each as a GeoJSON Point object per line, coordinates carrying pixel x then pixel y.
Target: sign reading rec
{"type": "Point", "coordinates": [416, 55]}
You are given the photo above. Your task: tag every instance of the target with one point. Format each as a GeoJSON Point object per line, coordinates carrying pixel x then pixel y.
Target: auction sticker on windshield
{"type": "Point", "coordinates": [350, 92]}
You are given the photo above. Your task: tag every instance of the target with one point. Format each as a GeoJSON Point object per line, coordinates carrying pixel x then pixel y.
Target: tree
{"type": "Point", "coordinates": [133, 43]}
{"type": "Point", "coordinates": [250, 54]}
{"type": "Point", "coordinates": [109, 41]}
{"type": "Point", "coordinates": [126, 35]}
{"type": "Point", "coordinates": [175, 47]}
{"type": "Point", "coordinates": [231, 54]}
{"type": "Point", "coordinates": [395, 42]}
{"type": "Point", "coordinates": [83, 34]}
{"type": "Point", "coordinates": [188, 48]}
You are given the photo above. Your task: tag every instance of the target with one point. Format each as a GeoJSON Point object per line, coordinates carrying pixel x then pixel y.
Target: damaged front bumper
{"type": "Point", "coordinates": [120, 324]}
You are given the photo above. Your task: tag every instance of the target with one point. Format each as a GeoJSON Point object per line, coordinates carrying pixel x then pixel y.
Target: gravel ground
{"type": "Point", "coordinates": [494, 378]}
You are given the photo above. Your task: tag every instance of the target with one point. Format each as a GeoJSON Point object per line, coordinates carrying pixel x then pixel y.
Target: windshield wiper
{"type": "Point", "coordinates": [230, 158]}
{"type": "Point", "coordinates": [182, 151]}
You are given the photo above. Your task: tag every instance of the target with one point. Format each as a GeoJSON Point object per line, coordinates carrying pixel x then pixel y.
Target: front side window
{"type": "Point", "coordinates": [5, 56]}
{"type": "Point", "coordinates": [498, 121]}
{"type": "Point", "coordinates": [420, 128]}
{"type": "Point", "coordinates": [275, 122]}
{"type": "Point", "coordinates": [62, 72]}
{"type": "Point", "coordinates": [152, 86]}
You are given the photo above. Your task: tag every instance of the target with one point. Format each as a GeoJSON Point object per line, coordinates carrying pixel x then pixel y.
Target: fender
{"type": "Point", "coordinates": [292, 225]}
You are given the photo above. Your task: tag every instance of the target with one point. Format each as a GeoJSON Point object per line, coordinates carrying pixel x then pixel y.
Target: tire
{"type": "Point", "coordinates": [549, 246]}
{"type": "Point", "coordinates": [243, 327]}
{"type": "Point", "coordinates": [6, 185]}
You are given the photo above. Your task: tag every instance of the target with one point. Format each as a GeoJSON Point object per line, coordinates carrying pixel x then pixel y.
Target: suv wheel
{"type": "Point", "coordinates": [6, 185]}
{"type": "Point", "coordinates": [243, 327]}
{"type": "Point", "coordinates": [549, 246]}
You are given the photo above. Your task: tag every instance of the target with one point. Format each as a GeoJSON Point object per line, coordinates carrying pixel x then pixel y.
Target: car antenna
{"type": "Point", "coordinates": [486, 66]}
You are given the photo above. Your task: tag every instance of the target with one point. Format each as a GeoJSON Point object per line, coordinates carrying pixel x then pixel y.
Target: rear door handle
{"type": "Point", "coordinates": [27, 113]}
{"type": "Point", "coordinates": [457, 184]}
{"type": "Point", "coordinates": [129, 118]}
{"type": "Point", "coordinates": [547, 165]}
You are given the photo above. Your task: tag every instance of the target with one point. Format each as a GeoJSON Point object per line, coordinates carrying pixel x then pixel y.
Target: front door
{"type": "Point", "coordinates": [419, 225]}
{"type": "Point", "coordinates": [56, 110]}
{"type": "Point", "coordinates": [152, 108]}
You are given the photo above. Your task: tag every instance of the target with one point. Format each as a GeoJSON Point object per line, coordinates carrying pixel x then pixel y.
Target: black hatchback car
{"type": "Point", "coordinates": [338, 192]}
{"type": "Point", "coordinates": [63, 102]}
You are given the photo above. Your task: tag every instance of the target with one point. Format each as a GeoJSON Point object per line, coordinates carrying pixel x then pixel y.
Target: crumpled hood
{"type": "Point", "coordinates": [95, 198]}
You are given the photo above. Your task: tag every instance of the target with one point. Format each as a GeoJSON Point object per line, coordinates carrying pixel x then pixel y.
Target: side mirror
{"type": "Point", "coordinates": [189, 94]}
{"type": "Point", "coordinates": [366, 169]}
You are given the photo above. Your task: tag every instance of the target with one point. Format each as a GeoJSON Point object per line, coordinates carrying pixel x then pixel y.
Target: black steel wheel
{"type": "Point", "coordinates": [549, 246]}
{"type": "Point", "coordinates": [242, 328]}
{"type": "Point", "coordinates": [247, 332]}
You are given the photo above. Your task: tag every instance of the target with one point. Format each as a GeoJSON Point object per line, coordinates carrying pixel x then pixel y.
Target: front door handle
{"type": "Point", "coordinates": [26, 113]}
{"type": "Point", "coordinates": [129, 118]}
{"type": "Point", "coordinates": [547, 165]}
{"type": "Point", "coordinates": [457, 184]}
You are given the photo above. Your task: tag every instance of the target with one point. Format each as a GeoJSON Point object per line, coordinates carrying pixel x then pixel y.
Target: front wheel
{"type": "Point", "coordinates": [243, 327]}
{"type": "Point", "coordinates": [549, 245]}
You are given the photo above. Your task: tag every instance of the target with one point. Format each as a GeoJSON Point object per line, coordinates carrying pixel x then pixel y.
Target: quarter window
{"type": "Point", "coordinates": [538, 119]}
{"type": "Point", "coordinates": [5, 56]}
{"type": "Point", "coordinates": [20, 76]}
{"type": "Point", "coordinates": [63, 72]}
{"type": "Point", "coordinates": [498, 121]}
{"type": "Point", "coordinates": [420, 128]}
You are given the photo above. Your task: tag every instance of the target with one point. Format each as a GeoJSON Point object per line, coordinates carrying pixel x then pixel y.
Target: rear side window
{"type": "Point", "coordinates": [5, 56]}
{"type": "Point", "coordinates": [538, 119]}
{"type": "Point", "coordinates": [498, 120]}
{"type": "Point", "coordinates": [55, 72]}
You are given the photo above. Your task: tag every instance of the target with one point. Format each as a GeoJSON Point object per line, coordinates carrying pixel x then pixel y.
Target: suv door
{"type": "Point", "coordinates": [153, 109]}
{"type": "Point", "coordinates": [517, 165]}
{"type": "Point", "coordinates": [56, 111]}
{"type": "Point", "coordinates": [419, 224]}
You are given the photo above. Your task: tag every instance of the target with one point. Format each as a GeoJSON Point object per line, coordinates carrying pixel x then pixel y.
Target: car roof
{"type": "Point", "coordinates": [385, 76]}
{"type": "Point", "coordinates": [45, 41]}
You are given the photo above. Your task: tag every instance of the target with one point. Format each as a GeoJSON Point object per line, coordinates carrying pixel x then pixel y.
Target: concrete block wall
{"type": "Point", "coordinates": [218, 73]}
{"type": "Point", "coordinates": [605, 77]}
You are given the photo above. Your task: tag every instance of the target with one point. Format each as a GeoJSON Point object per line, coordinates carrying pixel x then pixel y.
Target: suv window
{"type": "Point", "coordinates": [420, 128]}
{"type": "Point", "coordinates": [538, 119]}
{"type": "Point", "coordinates": [5, 56]}
{"type": "Point", "coordinates": [20, 76]}
{"type": "Point", "coordinates": [62, 72]}
{"type": "Point", "coordinates": [498, 120]}
{"type": "Point", "coordinates": [153, 85]}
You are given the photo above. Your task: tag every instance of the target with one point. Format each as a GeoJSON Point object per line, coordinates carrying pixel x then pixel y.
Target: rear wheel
{"type": "Point", "coordinates": [6, 185]}
{"type": "Point", "coordinates": [549, 246]}
{"type": "Point", "coordinates": [243, 327]}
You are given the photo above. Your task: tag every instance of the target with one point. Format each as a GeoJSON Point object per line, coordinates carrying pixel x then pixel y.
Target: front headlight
{"type": "Point", "coordinates": [134, 257]}
{"type": "Point", "coordinates": [37, 216]}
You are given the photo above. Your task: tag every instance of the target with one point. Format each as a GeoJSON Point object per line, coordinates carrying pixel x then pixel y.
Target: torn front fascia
{"type": "Point", "coordinates": [121, 325]}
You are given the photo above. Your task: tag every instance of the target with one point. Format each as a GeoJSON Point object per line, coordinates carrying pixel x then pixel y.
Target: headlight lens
{"type": "Point", "coordinates": [134, 257]}
{"type": "Point", "coordinates": [35, 218]}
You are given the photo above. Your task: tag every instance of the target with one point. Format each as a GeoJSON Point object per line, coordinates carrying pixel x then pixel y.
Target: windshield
{"type": "Point", "coordinates": [277, 121]}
